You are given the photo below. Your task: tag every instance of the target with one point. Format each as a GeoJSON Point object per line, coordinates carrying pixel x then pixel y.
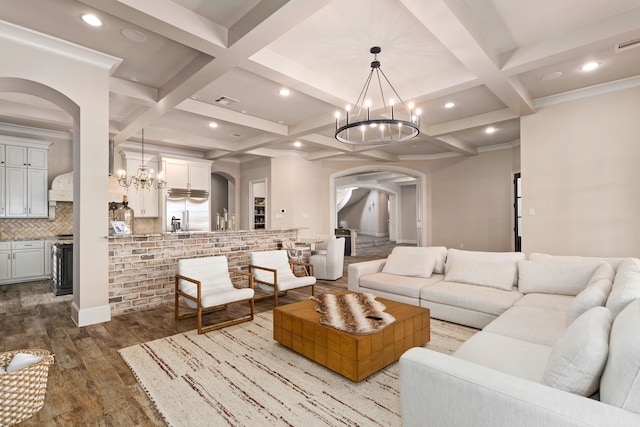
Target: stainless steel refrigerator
{"type": "Point", "coordinates": [190, 207]}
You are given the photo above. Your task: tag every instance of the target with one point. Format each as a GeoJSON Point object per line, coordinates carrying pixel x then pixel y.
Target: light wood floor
{"type": "Point", "coordinates": [89, 384]}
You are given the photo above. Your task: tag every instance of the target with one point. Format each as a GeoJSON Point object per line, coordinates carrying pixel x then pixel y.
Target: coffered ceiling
{"type": "Point", "coordinates": [187, 63]}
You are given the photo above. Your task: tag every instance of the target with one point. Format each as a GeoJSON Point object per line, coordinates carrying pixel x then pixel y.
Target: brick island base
{"type": "Point", "coordinates": [353, 356]}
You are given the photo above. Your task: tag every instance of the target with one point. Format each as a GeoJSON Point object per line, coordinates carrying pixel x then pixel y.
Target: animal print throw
{"type": "Point", "coordinates": [353, 313]}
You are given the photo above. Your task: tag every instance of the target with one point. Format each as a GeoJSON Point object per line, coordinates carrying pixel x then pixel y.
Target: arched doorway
{"type": "Point", "coordinates": [394, 181]}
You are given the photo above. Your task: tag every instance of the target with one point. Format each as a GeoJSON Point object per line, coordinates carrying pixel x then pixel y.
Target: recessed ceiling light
{"type": "Point", "coordinates": [134, 35]}
{"type": "Point", "coordinates": [243, 111]}
{"type": "Point", "coordinates": [92, 20]}
{"type": "Point", "coordinates": [297, 144]}
{"type": "Point", "coordinates": [490, 130]}
{"type": "Point", "coordinates": [551, 76]}
{"type": "Point", "coordinates": [134, 79]}
{"type": "Point", "coordinates": [284, 91]}
{"type": "Point", "coordinates": [449, 105]}
{"type": "Point", "coordinates": [213, 125]}
{"type": "Point", "coordinates": [590, 66]}
{"type": "Point", "coordinates": [195, 97]}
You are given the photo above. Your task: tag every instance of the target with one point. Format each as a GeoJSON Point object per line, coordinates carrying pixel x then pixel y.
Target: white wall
{"type": "Point", "coordinates": [407, 215]}
{"type": "Point", "coordinates": [470, 205]}
{"type": "Point", "coordinates": [581, 175]}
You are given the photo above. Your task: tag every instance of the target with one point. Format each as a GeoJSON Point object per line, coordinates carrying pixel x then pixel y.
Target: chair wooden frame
{"type": "Point", "coordinates": [199, 311]}
{"type": "Point", "coordinates": [307, 267]}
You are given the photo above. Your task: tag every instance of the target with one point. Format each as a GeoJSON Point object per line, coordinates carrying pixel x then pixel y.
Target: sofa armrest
{"type": "Point", "coordinates": [359, 269]}
{"type": "Point", "coordinates": [440, 390]}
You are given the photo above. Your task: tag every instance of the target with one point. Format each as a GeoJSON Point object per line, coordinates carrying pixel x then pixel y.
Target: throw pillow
{"type": "Point", "coordinates": [454, 255]}
{"type": "Point", "coordinates": [595, 294]}
{"type": "Point", "coordinates": [439, 253]}
{"type": "Point", "coordinates": [22, 360]}
{"type": "Point", "coordinates": [491, 274]}
{"type": "Point", "coordinates": [620, 384]}
{"type": "Point", "coordinates": [626, 288]}
{"type": "Point", "coordinates": [579, 356]}
{"type": "Point", "coordinates": [409, 264]}
{"type": "Point", "coordinates": [568, 277]}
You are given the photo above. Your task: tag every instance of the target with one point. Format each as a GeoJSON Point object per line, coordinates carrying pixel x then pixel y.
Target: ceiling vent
{"type": "Point", "coordinates": [225, 100]}
{"type": "Point", "coordinates": [236, 135]}
{"type": "Point", "coordinates": [627, 45]}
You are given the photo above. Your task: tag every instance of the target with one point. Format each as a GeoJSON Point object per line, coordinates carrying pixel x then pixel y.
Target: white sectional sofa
{"type": "Point", "coordinates": [555, 330]}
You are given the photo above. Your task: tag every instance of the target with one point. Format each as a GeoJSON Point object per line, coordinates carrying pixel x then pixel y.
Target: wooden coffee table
{"type": "Point", "coordinates": [353, 356]}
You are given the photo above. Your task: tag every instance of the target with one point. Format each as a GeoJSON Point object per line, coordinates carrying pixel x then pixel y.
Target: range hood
{"type": "Point", "coordinates": [62, 191]}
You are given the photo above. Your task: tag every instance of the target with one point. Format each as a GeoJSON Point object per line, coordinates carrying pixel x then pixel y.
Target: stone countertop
{"type": "Point", "coordinates": [186, 234]}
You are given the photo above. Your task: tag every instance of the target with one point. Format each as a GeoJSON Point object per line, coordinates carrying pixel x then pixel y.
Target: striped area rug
{"type": "Point", "coordinates": [239, 376]}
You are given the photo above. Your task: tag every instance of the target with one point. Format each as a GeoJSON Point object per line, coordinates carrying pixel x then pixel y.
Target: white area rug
{"type": "Point", "coordinates": [240, 376]}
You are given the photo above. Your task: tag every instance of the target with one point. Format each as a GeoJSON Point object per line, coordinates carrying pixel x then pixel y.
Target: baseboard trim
{"type": "Point", "coordinates": [90, 316]}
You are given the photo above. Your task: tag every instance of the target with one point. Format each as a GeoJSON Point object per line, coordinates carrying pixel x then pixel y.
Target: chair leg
{"type": "Point", "coordinates": [275, 296]}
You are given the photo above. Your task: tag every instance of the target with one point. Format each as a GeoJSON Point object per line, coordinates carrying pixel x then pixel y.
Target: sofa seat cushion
{"type": "Point", "coordinates": [394, 284]}
{"type": "Point", "coordinates": [546, 301]}
{"type": "Point", "coordinates": [620, 382]}
{"type": "Point", "coordinates": [505, 354]}
{"type": "Point", "coordinates": [472, 297]}
{"type": "Point", "coordinates": [531, 324]}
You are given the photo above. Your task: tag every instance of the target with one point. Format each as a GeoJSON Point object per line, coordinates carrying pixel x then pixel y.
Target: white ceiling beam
{"type": "Point", "coordinates": [451, 22]}
{"type": "Point", "coordinates": [325, 141]}
{"type": "Point", "coordinates": [324, 154]}
{"type": "Point", "coordinates": [371, 152]}
{"type": "Point", "coordinates": [277, 23]}
{"type": "Point", "coordinates": [219, 113]}
{"type": "Point", "coordinates": [136, 92]}
{"type": "Point", "coordinates": [604, 33]}
{"type": "Point", "coordinates": [471, 122]}
{"type": "Point", "coordinates": [454, 144]}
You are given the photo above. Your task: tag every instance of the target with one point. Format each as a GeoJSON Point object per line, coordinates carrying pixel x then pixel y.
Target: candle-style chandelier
{"type": "Point", "coordinates": [143, 178]}
{"type": "Point", "coordinates": [377, 131]}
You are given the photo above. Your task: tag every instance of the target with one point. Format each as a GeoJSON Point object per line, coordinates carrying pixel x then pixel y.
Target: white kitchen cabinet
{"type": "Point", "coordinates": [28, 259]}
{"type": "Point", "coordinates": [143, 202]}
{"type": "Point", "coordinates": [23, 178]}
{"type": "Point", "coordinates": [5, 261]}
{"type": "Point", "coordinates": [194, 174]}
{"type": "Point", "coordinates": [21, 156]}
{"type": "Point", "coordinates": [47, 257]}
{"type": "Point", "coordinates": [22, 261]}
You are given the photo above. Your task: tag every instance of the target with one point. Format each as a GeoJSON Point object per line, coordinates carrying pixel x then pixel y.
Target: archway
{"type": "Point", "coordinates": [395, 199]}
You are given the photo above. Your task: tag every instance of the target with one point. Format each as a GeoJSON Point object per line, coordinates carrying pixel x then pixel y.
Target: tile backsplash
{"type": "Point", "coordinates": [36, 228]}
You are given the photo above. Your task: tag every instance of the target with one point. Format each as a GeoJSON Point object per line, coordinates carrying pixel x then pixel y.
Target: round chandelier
{"type": "Point", "coordinates": [143, 178]}
{"type": "Point", "coordinates": [368, 131]}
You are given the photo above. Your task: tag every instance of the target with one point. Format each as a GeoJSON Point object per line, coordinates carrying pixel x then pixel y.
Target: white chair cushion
{"type": "Point", "coordinates": [568, 277]}
{"type": "Point", "coordinates": [620, 383]}
{"type": "Point", "coordinates": [277, 260]}
{"type": "Point", "coordinates": [493, 257]}
{"type": "Point", "coordinates": [216, 297]}
{"type": "Point", "coordinates": [594, 295]}
{"type": "Point", "coordinates": [414, 264]}
{"type": "Point", "coordinates": [491, 274]}
{"type": "Point", "coordinates": [626, 288]}
{"type": "Point", "coordinates": [579, 356]}
{"type": "Point", "coordinates": [438, 253]}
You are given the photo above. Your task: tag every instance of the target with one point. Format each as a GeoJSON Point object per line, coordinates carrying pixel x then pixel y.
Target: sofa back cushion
{"type": "Point", "coordinates": [454, 255]}
{"type": "Point", "coordinates": [491, 274]}
{"type": "Point", "coordinates": [626, 286]}
{"type": "Point", "coordinates": [579, 356]}
{"type": "Point", "coordinates": [615, 262]}
{"type": "Point", "coordinates": [438, 253]}
{"type": "Point", "coordinates": [409, 263]}
{"type": "Point", "coordinates": [568, 277]}
{"type": "Point", "coordinates": [595, 294]}
{"type": "Point", "coordinates": [620, 384]}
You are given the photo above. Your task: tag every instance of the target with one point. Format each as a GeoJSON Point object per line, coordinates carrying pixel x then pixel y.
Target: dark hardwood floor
{"type": "Point", "coordinates": [90, 384]}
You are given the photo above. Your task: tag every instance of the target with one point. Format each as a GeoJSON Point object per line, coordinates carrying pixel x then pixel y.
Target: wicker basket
{"type": "Point", "coordinates": [22, 392]}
